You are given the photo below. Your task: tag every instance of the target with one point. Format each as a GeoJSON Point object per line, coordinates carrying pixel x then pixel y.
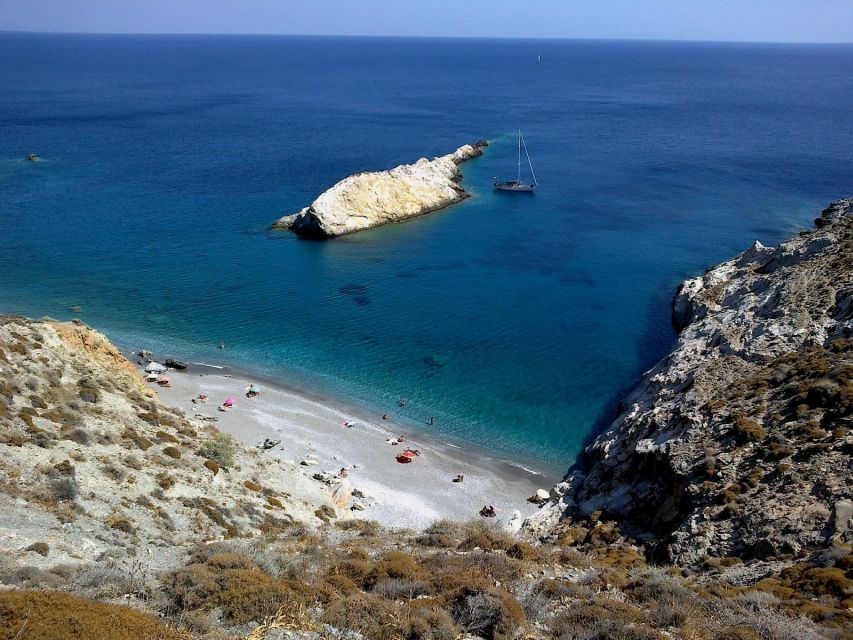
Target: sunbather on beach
{"type": "Point", "coordinates": [488, 511]}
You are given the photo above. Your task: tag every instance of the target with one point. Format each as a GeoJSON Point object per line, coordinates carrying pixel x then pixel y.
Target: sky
{"type": "Point", "coordinates": [722, 20]}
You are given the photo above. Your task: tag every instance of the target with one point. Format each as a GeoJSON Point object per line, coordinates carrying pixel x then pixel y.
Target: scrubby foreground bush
{"type": "Point", "coordinates": [354, 580]}
{"type": "Point", "coordinates": [51, 615]}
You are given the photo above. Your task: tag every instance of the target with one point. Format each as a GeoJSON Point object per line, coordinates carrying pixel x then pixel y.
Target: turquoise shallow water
{"type": "Point", "coordinates": [516, 320]}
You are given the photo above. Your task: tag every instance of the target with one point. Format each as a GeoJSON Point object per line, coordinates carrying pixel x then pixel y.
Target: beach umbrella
{"type": "Point", "coordinates": [155, 367]}
{"type": "Point", "coordinates": [229, 401]}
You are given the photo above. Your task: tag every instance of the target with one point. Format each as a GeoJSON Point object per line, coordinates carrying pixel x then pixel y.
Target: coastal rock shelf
{"type": "Point", "coordinates": [374, 198]}
{"type": "Point", "coordinates": [739, 442]}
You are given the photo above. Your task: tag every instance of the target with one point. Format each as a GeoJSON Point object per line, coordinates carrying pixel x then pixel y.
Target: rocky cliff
{"type": "Point", "coordinates": [739, 443]}
{"type": "Point", "coordinates": [371, 199]}
{"type": "Point", "coordinates": [92, 462]}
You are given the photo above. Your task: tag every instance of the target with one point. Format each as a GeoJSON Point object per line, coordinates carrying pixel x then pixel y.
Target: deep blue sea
{"type": "Point", "coordinates": [516, 320]}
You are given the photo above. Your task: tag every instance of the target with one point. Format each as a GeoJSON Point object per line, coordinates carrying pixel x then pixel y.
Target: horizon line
{"type": "Point", "coordinates": [417, 37]}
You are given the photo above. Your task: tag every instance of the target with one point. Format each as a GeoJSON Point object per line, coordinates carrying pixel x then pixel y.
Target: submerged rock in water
{"type": "Point", "coordinates": [374, 198]}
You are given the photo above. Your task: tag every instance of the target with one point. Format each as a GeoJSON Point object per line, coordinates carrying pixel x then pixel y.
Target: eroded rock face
{"type": "Point", "coordinates": [371, 199]}
{"type": "Point", "coordinates": [738, 443]}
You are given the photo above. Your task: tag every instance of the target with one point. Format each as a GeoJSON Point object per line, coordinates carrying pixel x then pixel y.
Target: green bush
{"type": "Point", "coordinates": [220, 449]}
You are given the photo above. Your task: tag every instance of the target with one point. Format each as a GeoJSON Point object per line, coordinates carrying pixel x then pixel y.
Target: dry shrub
{"type": "Point", "coordinates": [29, 577]}
{"type": "Point", "coordinates": [41, 548]}
{"type": "Point", "coordinates": [114, 471]}
{"type": "Point", "coordinates": [487, 612]}
{"type": "Point", "coordinates": [242, 594]}
{"type": "Point", "coordinates": [747, 430]}
{"type": "Point", "coordinates": [165, 480]}
{"type": "Point", "coordinates": [355, 569]}
{"type": "Point", "coordinates": [442, 533]}
{"type": "Point", "coordinates": [133, 462]}
{"type": "Point", "coordinates": [485, 537]}
{"type": "Point", "coordinates": [400, 589]}
{"type": "Point", "coordinates": [80, 436]}
{"type": "Point", "coordinates": [230, 560]}
{"type": "Point", "coordinates": [602, 619]}
{"type": "Point", "coordinates": [65, 489]}
{"type": "Point", "coordinates": [251, 485]}
{"type": "Point", "coordinates": [120, 523]}
{"type": "Point", "coordinates": [326, 513]}
{"type": "Point", "coordinates": [172, 452]}
{"type": "Point", "coordinates": [365, 528]}
{"type": "Point", "coordinates": [164, 436]}
{"type": "Point", "coordinates": [523, 551]}
{"type": "Point", "coordinates": [431, 623]}
{"type": "Point", "coordinates": [138, 439]}
{"type": "Point", "coordinates": [819, 581]}
{"type": "Point", "coordinates": [369, 615]}
{"type": "Point", "coordinates": [490, 565]}
{"type": "Point", "coordinates": [51, 615]}
{"type": "Point", "coordinates": [212, 466]}
{"type": "Point", "coordinates": [395, 565]}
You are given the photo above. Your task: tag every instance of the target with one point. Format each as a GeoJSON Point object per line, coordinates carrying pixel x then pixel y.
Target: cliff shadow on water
{"type": "Point", "coordinates": [653, 344]}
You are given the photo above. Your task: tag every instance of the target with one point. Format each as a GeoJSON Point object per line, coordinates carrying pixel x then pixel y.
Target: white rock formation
{"type": "Point", "coordinates": [371, 199]}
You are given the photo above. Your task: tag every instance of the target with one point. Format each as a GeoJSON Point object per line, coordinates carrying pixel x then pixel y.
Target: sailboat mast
{"type": "Point", "coordinates": [527, 153]}
{"type": "Point", "coordinates": [518, 179]}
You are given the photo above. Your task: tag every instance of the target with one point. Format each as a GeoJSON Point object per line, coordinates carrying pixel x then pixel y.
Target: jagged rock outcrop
{"type": "Point", "coordinates": [371, 199]}
{"type": "Point", "coordinates": [739, 442]}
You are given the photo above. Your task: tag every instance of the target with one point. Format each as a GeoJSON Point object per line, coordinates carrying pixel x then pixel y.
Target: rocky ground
{"type": "Point", "coordinates": [95, 467]}
{"type": "Point", "coordinates": [371, 199]}
{"type": "Point", "coordinates": [738, 444]}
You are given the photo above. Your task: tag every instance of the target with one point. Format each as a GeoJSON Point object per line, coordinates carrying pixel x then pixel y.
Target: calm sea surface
{"type": "Point", "coordinates": [515, 320]}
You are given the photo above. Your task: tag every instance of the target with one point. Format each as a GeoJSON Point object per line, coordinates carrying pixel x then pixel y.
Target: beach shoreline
{"type": "Point", "coordinates": [310, 428]}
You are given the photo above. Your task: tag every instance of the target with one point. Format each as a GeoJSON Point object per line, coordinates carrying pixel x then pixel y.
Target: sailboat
{"type": "Point", "coordinates": [517, 184]}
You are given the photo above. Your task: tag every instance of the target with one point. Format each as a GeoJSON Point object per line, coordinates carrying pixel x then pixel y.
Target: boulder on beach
{"type": "Point", "coordinates": [539, 497]}
{"type": "Point", "coordinates": [175, 364]}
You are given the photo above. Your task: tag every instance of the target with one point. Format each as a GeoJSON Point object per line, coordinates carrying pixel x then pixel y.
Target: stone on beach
{"type": "Point", "coordinates": [539, 497]}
